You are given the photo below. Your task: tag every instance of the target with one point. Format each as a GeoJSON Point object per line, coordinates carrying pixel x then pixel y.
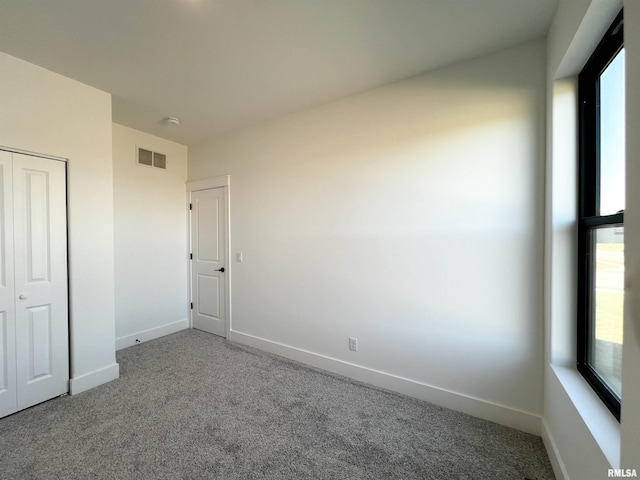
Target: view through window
{"type": "Point", "coordinates": [609, 240]}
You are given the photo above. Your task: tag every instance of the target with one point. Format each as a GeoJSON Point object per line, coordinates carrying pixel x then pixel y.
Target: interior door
{"type": "Point", "coordinates": [40, 245]}
{"type": "Point", "coordinates": [34, 338]}
{"type": "Point", "coordinates": [8, 397]}
{"type": "Point", "coordinates": [208, 238]}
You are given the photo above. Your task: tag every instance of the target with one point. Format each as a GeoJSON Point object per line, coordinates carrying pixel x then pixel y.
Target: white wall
{"type": "Point", "coordinates": [46, 113]}
{"type": "Point", "coordinates": [150, 238]}
{"type": "Point", "coordinates": [583, 439]}
{"type": "Point", "coordinates": [410, 217]}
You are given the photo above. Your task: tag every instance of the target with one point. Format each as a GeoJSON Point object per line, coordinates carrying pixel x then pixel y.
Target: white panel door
{"type": "Point", "coordinates": [8, 396]}
{"type": "Point", "coordinates": [208, 238]}
{"type": "Point", "coordinates": [40, 244]}
{"type": "Point", "coordinates": [34, 338]}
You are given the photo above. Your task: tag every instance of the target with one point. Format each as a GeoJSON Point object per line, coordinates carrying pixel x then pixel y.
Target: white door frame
{"type": "Point", "coordinates": [223, 181]}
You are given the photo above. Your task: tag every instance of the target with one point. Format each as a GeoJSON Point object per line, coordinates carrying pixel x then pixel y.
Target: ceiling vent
{"type": "Point", "coordinates": [150, 158]}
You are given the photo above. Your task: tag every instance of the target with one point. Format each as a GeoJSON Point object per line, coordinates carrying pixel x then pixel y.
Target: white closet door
{"type": "Point", "coordinates": [34, 337]}
{"type": "Point", "coordinates": [8, 397]}
{"type": "Point", "coordinates": [40, 246]}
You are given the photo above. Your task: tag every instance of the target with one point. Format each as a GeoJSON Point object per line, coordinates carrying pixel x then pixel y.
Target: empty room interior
{"type": "Point", "coordinates": [387, 192]}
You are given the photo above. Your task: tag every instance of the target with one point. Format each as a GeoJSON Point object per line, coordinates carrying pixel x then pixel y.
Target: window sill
{"type": "Point", "coordinates": [598, 419]}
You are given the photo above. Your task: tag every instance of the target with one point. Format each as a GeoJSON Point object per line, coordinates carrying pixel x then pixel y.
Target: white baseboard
{"type": "Point", "coordinates": [554, 453]}
{"type": "Point", "coordinates": [89, 380]}
{"type": "Point", "coordinates": [524, 421]}
{"type": "Point", "coordinates": [151, 334]}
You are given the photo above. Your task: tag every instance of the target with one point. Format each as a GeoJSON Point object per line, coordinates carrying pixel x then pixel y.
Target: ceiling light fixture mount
{"type": "Point", "coordinates": [172, 121]}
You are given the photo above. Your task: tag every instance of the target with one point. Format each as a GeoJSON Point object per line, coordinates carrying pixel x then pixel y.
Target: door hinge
{"type": "Point", "coordinates": [191, 256]}
{"type": "Point", "coordinates": [190, 206]}
{"type": "Point", "coordinates": [191, 305]}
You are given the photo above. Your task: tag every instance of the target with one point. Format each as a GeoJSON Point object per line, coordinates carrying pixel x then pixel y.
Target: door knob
{"type": "Point", "coordinates": [220, 270]}
{"type": "Point", "coordinates": [23, 296]}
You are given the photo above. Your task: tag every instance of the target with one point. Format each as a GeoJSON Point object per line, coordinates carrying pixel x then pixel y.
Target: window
{"type": "Point", "coordinates": [601, 206]}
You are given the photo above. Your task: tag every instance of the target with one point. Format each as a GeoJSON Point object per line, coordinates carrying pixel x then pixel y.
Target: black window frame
{"type": "Point", "coordinates": [589, 218]}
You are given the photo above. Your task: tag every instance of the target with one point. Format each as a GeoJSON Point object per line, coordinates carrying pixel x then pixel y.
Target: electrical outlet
{"type": "Point", "coordinates": [353, 344]}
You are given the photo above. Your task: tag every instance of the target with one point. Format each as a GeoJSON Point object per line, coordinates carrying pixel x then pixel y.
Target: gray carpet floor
{"type": "Point", "coordinates": [194, 406]}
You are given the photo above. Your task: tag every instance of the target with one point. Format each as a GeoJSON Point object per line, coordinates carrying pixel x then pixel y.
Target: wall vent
{"type": "Point", "coordinates": [150, 158]}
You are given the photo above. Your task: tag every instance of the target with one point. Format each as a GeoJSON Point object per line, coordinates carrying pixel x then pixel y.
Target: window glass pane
{"type": "Point", "coordinates": [612, 147]}
{"type": "Point", "coordinates": [608, 295]}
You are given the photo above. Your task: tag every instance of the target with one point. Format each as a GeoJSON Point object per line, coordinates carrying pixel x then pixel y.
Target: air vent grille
{"type": "Point", "coordinates": [145, 157]}
{"type": "Point", "coordinates": [151, 158]}
{"type": "Point", "coordinates": [159, 160]}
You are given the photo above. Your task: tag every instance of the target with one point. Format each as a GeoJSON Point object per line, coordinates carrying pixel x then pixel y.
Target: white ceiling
{"type": "Point", "coordinates": [225, 64]}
